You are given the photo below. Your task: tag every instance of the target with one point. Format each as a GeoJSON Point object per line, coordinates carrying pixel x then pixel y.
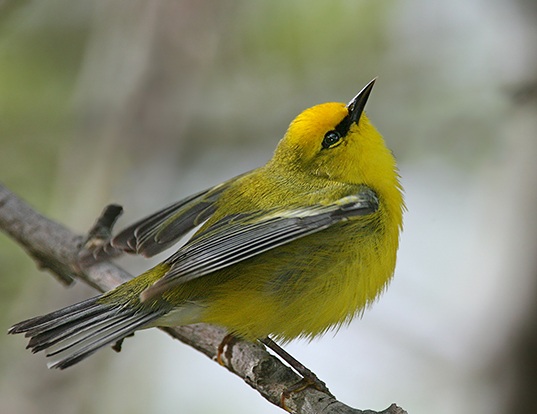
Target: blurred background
{"type": "Point", "coordinates": [144, 102]}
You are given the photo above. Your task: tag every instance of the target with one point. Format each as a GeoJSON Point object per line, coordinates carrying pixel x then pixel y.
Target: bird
{"type": "Point", "coordinates": [292, 249]}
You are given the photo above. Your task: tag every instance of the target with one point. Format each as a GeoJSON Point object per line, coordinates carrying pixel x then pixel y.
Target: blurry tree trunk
{"type": "Point", "coordinates": [521, 359]}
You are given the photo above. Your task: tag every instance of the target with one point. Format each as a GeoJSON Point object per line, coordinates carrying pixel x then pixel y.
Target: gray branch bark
{"type": "Point", "coordinates": [55, 248]}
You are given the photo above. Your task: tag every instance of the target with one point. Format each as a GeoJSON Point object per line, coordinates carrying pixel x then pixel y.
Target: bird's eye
{"type": "Point", "coordinates": [331, 139]}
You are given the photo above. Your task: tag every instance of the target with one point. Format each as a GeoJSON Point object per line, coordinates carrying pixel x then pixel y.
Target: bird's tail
{"type": "Point", "coordinates": [71, 334]}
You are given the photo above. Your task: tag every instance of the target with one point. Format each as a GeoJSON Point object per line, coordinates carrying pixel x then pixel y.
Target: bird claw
{"type": "Point", "coordinates": [227, 341]}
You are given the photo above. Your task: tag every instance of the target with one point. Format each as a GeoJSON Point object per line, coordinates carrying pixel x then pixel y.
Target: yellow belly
{"type": "Point", "coordinates": [304, 291]}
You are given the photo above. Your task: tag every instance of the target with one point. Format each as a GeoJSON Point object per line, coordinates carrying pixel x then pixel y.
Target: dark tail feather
{"type": "Point", "coordinates": [73, 333]}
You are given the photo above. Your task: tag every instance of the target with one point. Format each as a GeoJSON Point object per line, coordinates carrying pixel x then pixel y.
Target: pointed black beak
{"type": "Point", "coordinates": [357, 105]}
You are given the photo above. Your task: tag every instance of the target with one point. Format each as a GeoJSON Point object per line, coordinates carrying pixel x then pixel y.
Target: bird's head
{"type": "Point", "coordinates": [337, 142]}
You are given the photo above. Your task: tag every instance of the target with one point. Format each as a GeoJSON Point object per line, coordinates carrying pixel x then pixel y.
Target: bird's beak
{"type": "Point", "coordinates": [357, 104]}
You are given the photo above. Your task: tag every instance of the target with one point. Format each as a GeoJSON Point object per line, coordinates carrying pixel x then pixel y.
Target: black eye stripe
{"type": "Point", "coordinates": [344, 126]}
{"type": "Point", "coordinates": [341, 130]}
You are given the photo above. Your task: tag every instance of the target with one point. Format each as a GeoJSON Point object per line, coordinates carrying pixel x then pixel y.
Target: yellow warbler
{"type": "Point", "coordinates": [291, 249]}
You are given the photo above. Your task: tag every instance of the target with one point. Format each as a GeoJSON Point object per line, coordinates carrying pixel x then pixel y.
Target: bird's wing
{"type": "Point", "coordinates": [158, 231]}
{"type": "Point", "coordinates": [239, 237]}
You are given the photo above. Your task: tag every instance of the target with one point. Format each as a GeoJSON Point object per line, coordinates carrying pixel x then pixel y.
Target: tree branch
{"type": "Point", "coordinates": [55, 248]}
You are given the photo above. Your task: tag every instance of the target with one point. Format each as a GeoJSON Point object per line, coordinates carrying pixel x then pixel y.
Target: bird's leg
{"type": "Point", "coordinates": [309, 379]}
{"type": "Point", "coordinates": [119, 344]}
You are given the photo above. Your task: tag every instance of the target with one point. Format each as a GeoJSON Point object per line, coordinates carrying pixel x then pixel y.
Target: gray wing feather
{"type": "Point", "coordinates": [237, 238]}
{"type": "Point", "coordinates": [157, 232]}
